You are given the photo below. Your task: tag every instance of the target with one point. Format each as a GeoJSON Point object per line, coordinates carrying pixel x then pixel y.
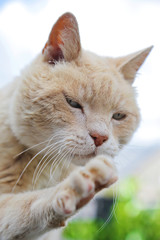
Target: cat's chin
{"type": "Point", "coordinates": [81, 160]}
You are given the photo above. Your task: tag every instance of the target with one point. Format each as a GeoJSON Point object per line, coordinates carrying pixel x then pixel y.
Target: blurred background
{"type": "Point", "coordinates": [130, 210]}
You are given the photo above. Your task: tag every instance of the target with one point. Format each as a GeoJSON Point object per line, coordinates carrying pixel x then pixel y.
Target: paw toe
{"type": "Point", "coordinates": [103, 171]}
{"type": "Point", "coordinates": [64, 204]}
{"type": "Point", "coordinates": [82, 183]}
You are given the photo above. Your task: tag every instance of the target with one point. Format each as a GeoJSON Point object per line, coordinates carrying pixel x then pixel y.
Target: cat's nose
{"type": "Point", "coordinates": [98, 139]}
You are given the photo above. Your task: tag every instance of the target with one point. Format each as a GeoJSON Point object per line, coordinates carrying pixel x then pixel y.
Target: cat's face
{"type": "Point", "coordinates": [85, 104]}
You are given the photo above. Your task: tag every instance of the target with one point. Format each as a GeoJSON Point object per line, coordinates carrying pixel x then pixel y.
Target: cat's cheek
{"type": "Point", "coordinates": [80, 117]}
{"type": "Point", "coordinates": [121, 134]}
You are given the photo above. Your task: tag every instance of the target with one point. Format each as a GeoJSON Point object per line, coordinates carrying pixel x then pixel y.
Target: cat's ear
{"type": "Point", "coordinates": [64, 40]}
{"type": "Point", "coordinates": [129, 65]}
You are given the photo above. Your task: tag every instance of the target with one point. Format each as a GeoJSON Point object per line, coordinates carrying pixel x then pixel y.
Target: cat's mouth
{"type": "Point", "coordinates": [95, 153]}
{"type": "Point", "coordinates": [82, 158]}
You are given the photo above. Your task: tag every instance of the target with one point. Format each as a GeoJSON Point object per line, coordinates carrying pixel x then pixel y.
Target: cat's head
{"type": "Point", "coordinates": [82, 103]}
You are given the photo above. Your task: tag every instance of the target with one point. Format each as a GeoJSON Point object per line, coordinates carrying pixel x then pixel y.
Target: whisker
{"type": "Point", "coordinates": [30, 148]}
{"type": "Point", "coordinates": [43, 167]}
{"type": "Point", "coordinates": [55, 147]}
{"type": "Point", "coordinates": [36, 171]}
{"type": "Point", "coordinates": [70, 157]}
{"type": "Point", "coordinates": [27, 167]}
{"type": "Point", "coordinates": [50, 150]}
{"type": "Point", "coordinates": [67, 159]}
{"type": "Point", "coordinates": [116, 198]}
{"type": "Point", "coordinates": [54, 136]}
{"type": "Point", "coordinates": [59, 152]}
{"type": "Point", "coordinates": [111, 214]}
{"type": "Point", "coordinates": [59, 161]}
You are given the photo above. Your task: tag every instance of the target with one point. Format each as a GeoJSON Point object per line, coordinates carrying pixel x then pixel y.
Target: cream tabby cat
{"type": "Point", "coordinates": [61, 124]}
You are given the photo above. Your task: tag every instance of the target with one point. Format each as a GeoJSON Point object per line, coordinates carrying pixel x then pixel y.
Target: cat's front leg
{"type": "Point", "coordinates": [83, 184]}
{"type": "Point", "coordinates": [28, 215]}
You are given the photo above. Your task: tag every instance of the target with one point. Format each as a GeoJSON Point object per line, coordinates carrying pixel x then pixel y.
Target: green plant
{"type": "Point", "coordinates": [132, 222]}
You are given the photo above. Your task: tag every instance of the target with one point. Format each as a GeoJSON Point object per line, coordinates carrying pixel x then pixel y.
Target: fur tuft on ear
{"type": "Point", "coordinates": [64, 40]}
{"type": "Point", "coordinates": [129, 65]}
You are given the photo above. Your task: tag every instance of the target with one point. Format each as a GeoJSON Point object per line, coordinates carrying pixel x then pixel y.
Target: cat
{"type": "Point", "coordinates": [62, 122]}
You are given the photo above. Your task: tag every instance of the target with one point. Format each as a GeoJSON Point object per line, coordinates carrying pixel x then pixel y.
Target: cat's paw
{"type": "Point", "coordinates": [65, 203]}
{"type": "Point", "coordinates": [103, 171]}
{"type": "Point", "coordinates": [79, 186]}
{"type": "Point", "coordinates": [83, 184]}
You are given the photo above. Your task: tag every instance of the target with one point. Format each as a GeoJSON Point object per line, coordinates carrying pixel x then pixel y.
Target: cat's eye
{"type": "Point", "coordinates": [73, 103]}
{"type": "Point", "coordinates": [119, 116]}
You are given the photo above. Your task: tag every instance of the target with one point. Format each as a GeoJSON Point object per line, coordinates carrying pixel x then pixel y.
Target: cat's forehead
{"type": "Point", "coordinates": [101, 89]}
{"type": "Point", "coordinates": [97, 87]}
{"type": "Point", "coordinates": [91, 79]}
{"type": "Point", "coordinates": [94, 77]}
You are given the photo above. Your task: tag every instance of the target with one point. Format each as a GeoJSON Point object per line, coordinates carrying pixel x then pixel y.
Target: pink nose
{"type": "Point", "coordinates": [98, 139]}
